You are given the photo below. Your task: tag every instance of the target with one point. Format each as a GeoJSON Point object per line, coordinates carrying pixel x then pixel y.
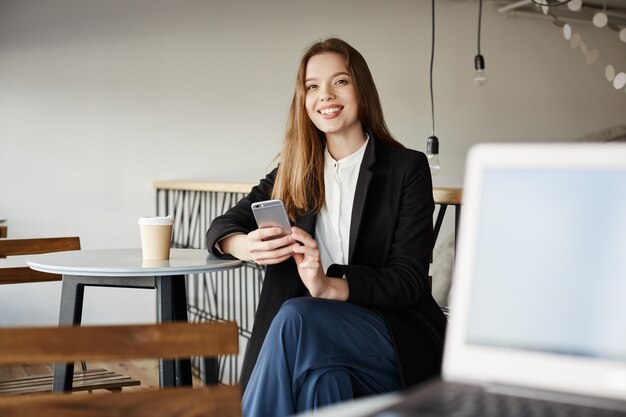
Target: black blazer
{"type": "Point", "coordinates": [391, 238]}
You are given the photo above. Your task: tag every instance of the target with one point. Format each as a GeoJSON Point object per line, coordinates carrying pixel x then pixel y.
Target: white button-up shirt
{"type": "Point", "coordinates": [332, 229]}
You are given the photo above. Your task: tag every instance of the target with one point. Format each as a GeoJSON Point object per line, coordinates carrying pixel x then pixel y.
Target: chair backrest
{"type": "Point", "coordinates": [16, 274]}
{"type": "Point", "coordinates": [167, 340]}
{"type": "Point", "coordinates": [443, 198]}
{"type": "Point", "coordinates": [11, 247]}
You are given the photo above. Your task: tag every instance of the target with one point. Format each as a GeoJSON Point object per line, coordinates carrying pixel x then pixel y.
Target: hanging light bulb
{"type": "Point", "coordinates": [480, 77]}
{"type": "Point", "coordinates": [432, 153]}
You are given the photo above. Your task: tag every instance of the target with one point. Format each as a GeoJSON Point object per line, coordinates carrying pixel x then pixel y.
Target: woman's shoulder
{"type": "Point", "coordinates": [266, 184]}
{"type": "Point", "coordinates": [398, 154]}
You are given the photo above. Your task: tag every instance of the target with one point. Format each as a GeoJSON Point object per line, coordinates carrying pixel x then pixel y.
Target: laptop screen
{"type": "Point", "coordinates": [550, 262]}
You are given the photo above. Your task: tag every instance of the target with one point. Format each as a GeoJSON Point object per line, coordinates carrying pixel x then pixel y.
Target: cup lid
{"type": "Point", "coordinates": [157, 221]}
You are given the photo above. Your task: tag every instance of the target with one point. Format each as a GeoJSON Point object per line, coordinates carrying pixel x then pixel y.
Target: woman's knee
{"type": "Point", "coordinates": [297, 309]}
{"type": "Point", "coordinates": [312, 313]}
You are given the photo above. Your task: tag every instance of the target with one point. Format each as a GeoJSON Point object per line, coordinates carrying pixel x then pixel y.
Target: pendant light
{"type": "Point", "coordinates": [432, 144]}
{"type": "Point", "coordinates": [480, 77]}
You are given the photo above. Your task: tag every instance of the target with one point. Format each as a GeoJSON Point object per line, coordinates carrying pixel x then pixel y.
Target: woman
{"type": "Point", "coordinates": [345, 308]}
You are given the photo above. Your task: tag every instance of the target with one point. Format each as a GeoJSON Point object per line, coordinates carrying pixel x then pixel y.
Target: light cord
{"type": "Point", "coordinates": [432, 60]}
{"type": "Point", "coordinates": [480, 18]}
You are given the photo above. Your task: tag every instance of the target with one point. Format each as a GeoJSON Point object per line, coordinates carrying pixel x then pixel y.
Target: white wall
{"type": "Point", "coordinates": [99, 98]}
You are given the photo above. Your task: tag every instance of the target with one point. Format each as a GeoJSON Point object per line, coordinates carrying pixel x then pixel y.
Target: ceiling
{"type": "Point", "coordinates": [615, 10]}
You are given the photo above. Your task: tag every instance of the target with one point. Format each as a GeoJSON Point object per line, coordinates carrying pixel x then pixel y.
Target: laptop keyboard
{"type": "Point", "coordinates": [462, 400]}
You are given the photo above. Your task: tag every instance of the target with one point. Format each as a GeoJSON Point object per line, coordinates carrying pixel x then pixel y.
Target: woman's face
{"type": "Point", "coordinates": [331, 101]}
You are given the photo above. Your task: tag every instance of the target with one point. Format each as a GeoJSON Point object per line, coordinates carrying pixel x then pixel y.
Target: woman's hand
{"type": "Point", "coordinates": [310, 269]}
{"type": "Point", "coordinates": [258, 246]}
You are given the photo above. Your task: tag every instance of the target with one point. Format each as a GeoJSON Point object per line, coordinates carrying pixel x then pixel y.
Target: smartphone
{"type": "Point", "coordinates": [271, 213]}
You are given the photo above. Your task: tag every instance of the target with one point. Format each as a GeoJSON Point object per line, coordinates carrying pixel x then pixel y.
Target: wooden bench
{"type": "Point", "coordinates": [14, 270]}
{"type": "Point", "coordinates": [167, 341]}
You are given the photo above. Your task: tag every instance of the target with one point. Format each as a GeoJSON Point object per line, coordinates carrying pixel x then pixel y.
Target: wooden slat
{"type": "Point", "coordinates": [144, 370]}
{"type": "Point", "coordinates": [441, 195]}
{"type": "Point", "coordinates": [220, 187]}
{"type": "Point", "coordinates": [68, 344]}
{"type": "Point", "coordinates": [45, 377]}
{"type": "Point", "coordinates": [11, 247]}
{"type": "Point", "coordinates": [83, 381]}
{"type": "Point", "coordinates": [88, 375]}
{"type": "Point", "coordinates": [452, 196]}
{"type": "Point", "coordinates": [44, 380]}
{"type": "Point", "coordinates": [3, 232]}
{"type": "Point", "coordinates": [223, 401]}
{"type": "Point", "coordinates": [112, 382]}
{"type": "Point", "coordinates": [90, 379]}
{"type": "Point", "coordinates": [21, 275]}
{"type": "Point", "coordinates": [106, 382]}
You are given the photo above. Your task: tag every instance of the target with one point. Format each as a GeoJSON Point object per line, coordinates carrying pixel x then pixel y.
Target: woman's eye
{"type": "Point", "coordinates": [311, 87]}
{"type": "Point", "coordinates": [341, 82]}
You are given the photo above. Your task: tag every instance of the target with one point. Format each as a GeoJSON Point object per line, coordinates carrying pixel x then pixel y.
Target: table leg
{"type": "Point", "coordinates": [179, 305]}
{"type": "Point", "coordinates": [172, 306]}
{"type": "Point", "coordinates": [457, 221]}
{"type": "Point", "coordinates": [165, 313]}
{"type": "Point", "coordinates": [72, 293]}
{"type": "Point", "coordinates": [211, 371]}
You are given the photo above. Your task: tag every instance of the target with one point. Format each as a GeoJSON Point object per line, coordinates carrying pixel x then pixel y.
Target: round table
{"type": "Point", "coordinates": [126, 268]}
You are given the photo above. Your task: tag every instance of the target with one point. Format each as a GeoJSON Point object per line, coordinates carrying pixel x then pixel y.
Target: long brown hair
{"type": "Point", "coordinates": [300, 178]}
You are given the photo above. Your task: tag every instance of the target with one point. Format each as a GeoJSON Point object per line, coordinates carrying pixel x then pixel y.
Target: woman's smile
{"type": "Point", "coordinates": [330, 112]}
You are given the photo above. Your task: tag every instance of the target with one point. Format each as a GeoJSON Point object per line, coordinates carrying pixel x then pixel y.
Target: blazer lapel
{"type": "Point", "coordinates": [360, 193]}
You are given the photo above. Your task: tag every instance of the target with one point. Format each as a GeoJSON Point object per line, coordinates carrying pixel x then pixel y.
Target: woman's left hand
{"type": "Point", "coordinates": [310, 269]}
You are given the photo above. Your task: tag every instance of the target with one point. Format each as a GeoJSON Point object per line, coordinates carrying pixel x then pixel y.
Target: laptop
{"type": "Point", "coordinates": [538, 305]}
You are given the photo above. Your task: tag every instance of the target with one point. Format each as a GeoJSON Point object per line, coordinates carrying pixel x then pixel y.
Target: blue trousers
{"type": "Point", "coordinates": [313, 353]}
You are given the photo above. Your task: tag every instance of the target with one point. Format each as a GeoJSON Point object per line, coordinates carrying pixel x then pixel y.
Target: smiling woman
{"type": "Point", "coordinates": [345, 309]}
{"type": "Point", "coordinates": [302, 157]}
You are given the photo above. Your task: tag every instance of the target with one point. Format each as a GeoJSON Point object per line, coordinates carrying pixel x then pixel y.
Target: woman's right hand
{"type": "Point", "coordinates": [259, 247]}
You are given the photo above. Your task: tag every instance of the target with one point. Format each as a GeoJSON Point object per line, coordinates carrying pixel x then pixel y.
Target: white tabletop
{"type": "Point", "coordinates": [128, 262]}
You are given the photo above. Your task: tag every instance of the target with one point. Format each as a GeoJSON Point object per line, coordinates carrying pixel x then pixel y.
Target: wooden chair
{"type": "Point", "coordinates": [20, 272]}
{"type": "Point", "coordinates": [168, 340]}
{"type": "Point", "coordinates": [17, 272]}
{"type": "Point", "coordinates": [445, 197]}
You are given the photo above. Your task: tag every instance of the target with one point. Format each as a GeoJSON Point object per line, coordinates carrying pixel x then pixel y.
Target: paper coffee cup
{"type": "Point", "coordinates": [155, 263]}
{"type": "Point", "coordinates": [156, 236]}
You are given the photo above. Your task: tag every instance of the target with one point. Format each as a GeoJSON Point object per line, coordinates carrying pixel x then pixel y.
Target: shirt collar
{"type": "Point", "coordinates": [349, 160]}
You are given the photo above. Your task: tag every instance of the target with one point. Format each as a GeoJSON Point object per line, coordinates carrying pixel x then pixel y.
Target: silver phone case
{"type": "Point", "coordinates": [271, 213]}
